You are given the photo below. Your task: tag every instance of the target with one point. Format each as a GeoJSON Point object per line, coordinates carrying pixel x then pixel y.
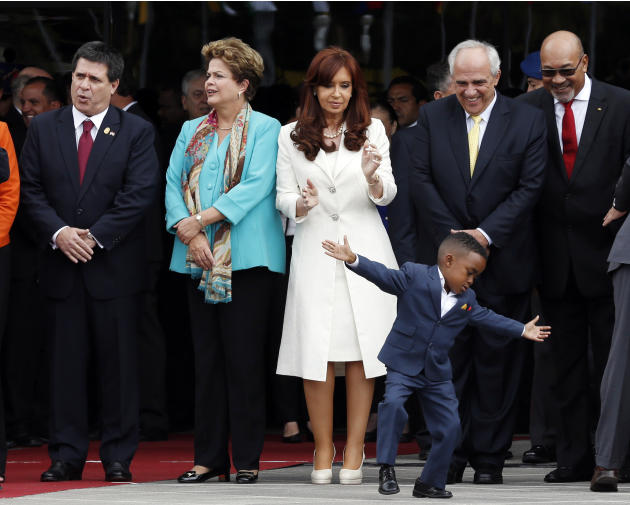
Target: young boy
{"type": "Point", "coordinates": [434, 305]}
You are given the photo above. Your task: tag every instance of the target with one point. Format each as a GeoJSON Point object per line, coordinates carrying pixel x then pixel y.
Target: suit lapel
{"type": "Point", "coordinates": [458, 137]}
{"type": "Point", "coordinates": [102, 142]}
{"type": "Point", "coordinates": [344, 157]}
{"type": "Point", "coordinates": [322, 163]}
{"type": "Point", "coordinates": [436, 289]}
{"type": "Point", "coordinates": [497, 124]}
{"type": "Point", "coordinates": [460, 307]}
{"type": "Point", "coordinates": [68, 144]}
{"type": "Point", "coordinates": [595, 112]}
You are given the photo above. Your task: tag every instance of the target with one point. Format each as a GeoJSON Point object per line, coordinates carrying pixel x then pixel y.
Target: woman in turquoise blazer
{"type": "Point", "coordinates": [220, 203]}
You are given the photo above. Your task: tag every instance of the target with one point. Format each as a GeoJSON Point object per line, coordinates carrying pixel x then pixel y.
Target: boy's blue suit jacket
{"type": "Point", "coordinates": [420, 338]}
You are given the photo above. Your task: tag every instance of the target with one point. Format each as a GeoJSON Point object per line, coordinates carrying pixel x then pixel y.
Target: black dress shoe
{"type": "Point", "coordinates": [292, 439]}
{"type": "Point", "coordinates": [423, 454]}
{"type": "Point", "coordinates": [60, 471]}
{"type": "Point", "coordinates": [604, 480]}
{"type": "Point", "coordinates": [567, 474]}
{"type": "Point", "coordinates": [246, 476]}
{"type": "Point", "coordinates": [538, 454]}
{"type": "Point", "coordinates": [422, 490]}
{"type": "Point", "coordinates": [117, 472]}
{"type": "Point", "coordinates": [192, 477]}
{"type": "Point", "coordinates": [455, 474]}
{"type": "Point", "coordinates": [387, 483]}
{"type": "Point", "coordinates": [488, 477]}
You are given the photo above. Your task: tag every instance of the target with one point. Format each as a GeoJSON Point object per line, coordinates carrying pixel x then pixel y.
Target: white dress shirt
{"type": "Point", "coordinates": [447, 300]}
{"type": "Point", "coordinates": [579, 106]}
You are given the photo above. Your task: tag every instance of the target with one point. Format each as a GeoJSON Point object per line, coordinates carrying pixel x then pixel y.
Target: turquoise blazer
{"type": "Point", "coordinates": [250, 206]}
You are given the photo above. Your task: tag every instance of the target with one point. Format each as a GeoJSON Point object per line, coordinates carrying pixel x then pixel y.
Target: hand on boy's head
{"type": "Point", "coordinates": [536, 333]}
{"type": "Point", "coordinates": [339, 251]}
{"type": "Point", "coordinates": [477, 235]}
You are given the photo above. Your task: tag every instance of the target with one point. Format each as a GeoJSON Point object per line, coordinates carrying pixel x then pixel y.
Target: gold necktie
{"type": "Point", "coordinates": [473, 142]}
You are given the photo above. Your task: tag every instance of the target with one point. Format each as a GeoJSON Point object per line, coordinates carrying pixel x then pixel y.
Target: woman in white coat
{"type": "Point", "coordinates": [333, 169]}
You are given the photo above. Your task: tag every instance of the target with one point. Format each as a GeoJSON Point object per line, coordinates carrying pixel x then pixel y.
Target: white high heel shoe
{"type": "Point", "coordinates": [323, 476]}
{"type": "Point", "coordinates": [347, 476]}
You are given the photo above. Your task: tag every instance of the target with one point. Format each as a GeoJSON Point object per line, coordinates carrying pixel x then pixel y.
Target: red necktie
{"type": "Point", "coordinates": [569, 138]}
{"type": "Point", "coordinates": [85, 146]}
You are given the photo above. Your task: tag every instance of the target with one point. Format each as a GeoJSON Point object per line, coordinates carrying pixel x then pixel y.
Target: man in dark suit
{"type": "Point", "coordinates": [478, 166]}
{"type": "Point", "coordinates": [587, 123]}
{"type": "Point", "coordinates": [151, 338]}
{"type": "Point", "coordinates": [24, 361]}
{"type": "Point", "coordinates": [612, 440]}
{"type": "Point", "coordinates": [90, 172]}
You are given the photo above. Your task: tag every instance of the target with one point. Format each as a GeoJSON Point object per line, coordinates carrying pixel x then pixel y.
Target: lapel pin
{"type": "Point", "coordinates": [599, 108]}
{"type": "Point", "coordinates": [106, 130]}
{"type": "Point", "coordinates": [465, 306]}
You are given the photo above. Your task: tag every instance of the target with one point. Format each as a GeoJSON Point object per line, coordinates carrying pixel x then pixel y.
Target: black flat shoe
{"type": "Point", "coordinates": [538, 454]}
{"type": "Point", "coordinates": [117, 472]}
{"type": "Point", "coordinates": [292, 439]}
{"type": "Point", "coordinates": [387, 483]}
{"type": "Point", "coordinates": [192, 477]}
{"type": "Point", "coordinates": [422, 490]}
{"type": "Point", "coordinates": [246, 477]}
{"type": "Point", "coordinates": [60, 471]}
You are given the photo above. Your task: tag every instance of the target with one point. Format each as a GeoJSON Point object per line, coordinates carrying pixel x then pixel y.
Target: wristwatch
{"type": "Point", "coordinates": [199, 220]}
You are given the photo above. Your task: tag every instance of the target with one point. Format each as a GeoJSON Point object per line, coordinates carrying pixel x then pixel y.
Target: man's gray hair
{"type": "Point", "coordinates": [493, 55]}
{"type": "Point", "coordinates": [190, 76]}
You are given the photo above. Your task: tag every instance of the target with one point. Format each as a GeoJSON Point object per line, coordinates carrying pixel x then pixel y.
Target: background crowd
{"type": "Point", "coordinates": [549, 216]}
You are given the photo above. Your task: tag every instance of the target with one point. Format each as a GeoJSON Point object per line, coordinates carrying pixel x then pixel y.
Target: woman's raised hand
{"type": "Point", "coordinates": [370, 161]}
{"type": "Point", "coordinates": [310, 195]}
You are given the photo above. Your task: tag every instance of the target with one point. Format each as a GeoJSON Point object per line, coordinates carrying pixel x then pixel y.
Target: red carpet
{"type": "Point", "coordinates": [154, 461]}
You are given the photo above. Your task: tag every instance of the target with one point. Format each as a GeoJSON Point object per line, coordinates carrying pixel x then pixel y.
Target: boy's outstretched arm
{"type": "Point", "coordinates": [536, 333]}
{"type": "Point", "coordinates": [390, 280]}
{"type": "Point", "coordinates": [340, 251]}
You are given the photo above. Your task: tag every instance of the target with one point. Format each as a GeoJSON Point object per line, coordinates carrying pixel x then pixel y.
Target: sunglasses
{"type": "Point", "coordinates": [564, 72]}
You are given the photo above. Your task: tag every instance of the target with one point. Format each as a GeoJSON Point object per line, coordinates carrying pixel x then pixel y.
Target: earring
{"type": "Point", "coordinates": [314, 93]}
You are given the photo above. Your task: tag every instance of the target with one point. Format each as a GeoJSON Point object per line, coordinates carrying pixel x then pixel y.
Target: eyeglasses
{"type": "Point", "coordinates": [564, 72]}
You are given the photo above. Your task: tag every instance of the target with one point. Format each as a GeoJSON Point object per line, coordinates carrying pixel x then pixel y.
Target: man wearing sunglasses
{"type": "Point", "coordinates": [588, 123]}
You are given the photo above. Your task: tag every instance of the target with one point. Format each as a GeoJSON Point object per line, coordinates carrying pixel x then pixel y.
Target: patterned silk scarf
{"type": "Point", "coordinates": [216, 283]}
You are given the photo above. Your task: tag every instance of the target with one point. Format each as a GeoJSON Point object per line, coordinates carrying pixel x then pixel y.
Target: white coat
{"type": "Point", "coordinates": [345, 208]}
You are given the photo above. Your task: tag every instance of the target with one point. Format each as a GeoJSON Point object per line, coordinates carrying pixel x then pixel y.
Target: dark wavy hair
{"type": "Point", "coordinates": [307, 135]}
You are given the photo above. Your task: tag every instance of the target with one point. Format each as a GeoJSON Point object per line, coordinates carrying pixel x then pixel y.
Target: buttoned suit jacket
{"type": "Point", "coordinates": [120, 182]}
{"type": "Point", "coordinates": [501, 195]}
{"type": "Point", "coordinates": [421, 338]}
{"type": "Point", "coordinates": [570, 212]}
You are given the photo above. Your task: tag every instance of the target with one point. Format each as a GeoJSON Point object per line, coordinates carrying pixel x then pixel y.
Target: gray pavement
{"type": "Point", "coordinates": [523, 486]}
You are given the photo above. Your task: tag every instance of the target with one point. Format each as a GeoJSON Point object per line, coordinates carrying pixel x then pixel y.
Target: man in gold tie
{"type": "Point", "coordinates": [478, 167]}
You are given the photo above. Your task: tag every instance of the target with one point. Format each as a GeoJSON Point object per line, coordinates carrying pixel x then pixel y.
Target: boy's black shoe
{"type": "Point", "coordinates": [422, 490]}
{"type": "Point", "coordinates": [387, 483]}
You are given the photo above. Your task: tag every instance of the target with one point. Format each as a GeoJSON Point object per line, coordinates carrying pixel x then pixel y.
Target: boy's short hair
{"type": "Point", "coordinates": [464, 241]}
